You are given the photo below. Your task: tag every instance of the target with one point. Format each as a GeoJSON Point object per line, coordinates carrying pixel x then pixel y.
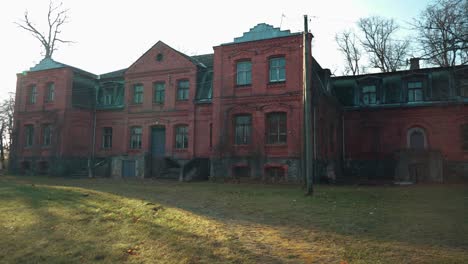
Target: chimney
{"type": "Point", "coordinates": [414, 64]}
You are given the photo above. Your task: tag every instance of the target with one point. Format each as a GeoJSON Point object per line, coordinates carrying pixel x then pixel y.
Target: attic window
{"type": "Point", "coordinates": [159, 57]}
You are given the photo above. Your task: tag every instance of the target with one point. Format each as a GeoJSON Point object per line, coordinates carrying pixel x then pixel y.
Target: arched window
{"type": "Point", "coordinates": [416, 138]}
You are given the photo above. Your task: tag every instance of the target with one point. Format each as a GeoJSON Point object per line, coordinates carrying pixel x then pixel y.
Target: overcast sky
{"type": "Point", "coordinates": [111, 35]}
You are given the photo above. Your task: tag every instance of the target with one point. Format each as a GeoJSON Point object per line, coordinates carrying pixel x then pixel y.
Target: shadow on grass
{"type": "Point", "coordinates": [78, 226]}
{"type": "Point", "coordinates": [365, 221]}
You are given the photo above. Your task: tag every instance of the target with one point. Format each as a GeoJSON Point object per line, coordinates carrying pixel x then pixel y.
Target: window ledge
{"type": "Point", "coordinates": [181, 150]}
{"type": "Point", "coordinates": [277, 84]}
{"type": "Point", "coordinates": [243, 86]}
{"type": "Point", "coordinates": [241, 145]}
{"type": "Point", "coordinates": [285, 144]}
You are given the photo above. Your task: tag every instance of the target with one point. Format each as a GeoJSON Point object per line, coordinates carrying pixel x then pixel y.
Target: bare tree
{"type": "Point", "coordinates": [385, 52]}
{"type": "Point", "coordinates": [6, 127]}
{"type": "Point", "coordinates": [348, 46]}
{"type": "Point", "coordinates": [443, 32]}
{"type": "Point", "coordinates": [56, 18]}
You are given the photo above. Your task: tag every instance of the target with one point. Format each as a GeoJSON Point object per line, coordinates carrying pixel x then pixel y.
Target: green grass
{"type": "Point", "coordinates": [51, 220]}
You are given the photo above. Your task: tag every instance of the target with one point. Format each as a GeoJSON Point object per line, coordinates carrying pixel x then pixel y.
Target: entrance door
{"type": "Point", "coordinates": [158, 146]}
{"type": "Point", "coordinates": [158, 141]}
{"type": "Point", "coordinates": [128, 168]}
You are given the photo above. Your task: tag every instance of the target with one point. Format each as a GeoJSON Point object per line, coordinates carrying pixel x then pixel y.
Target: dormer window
{"type": "Point", "coordinates": [369, 94]}
{"type": "Point", "coordinates": [415, 91]}
{"type": "Point", "coordinates": [464, 87]}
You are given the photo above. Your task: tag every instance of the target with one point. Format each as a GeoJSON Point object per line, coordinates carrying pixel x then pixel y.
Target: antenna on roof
{"type": "Point", "coordinates": [282, 15]}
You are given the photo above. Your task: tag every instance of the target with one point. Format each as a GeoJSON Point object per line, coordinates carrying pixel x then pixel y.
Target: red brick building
{"type": "Point", "coordinates": [408, 125]}
{"type": "Point", "coordinates": [236, 113]}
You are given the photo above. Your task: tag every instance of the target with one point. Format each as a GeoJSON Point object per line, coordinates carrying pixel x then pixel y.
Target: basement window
{"type": "Point", "coordinates": [275, 174]}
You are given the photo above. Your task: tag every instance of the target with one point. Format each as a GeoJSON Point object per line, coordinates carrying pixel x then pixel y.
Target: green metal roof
{"type": "Point", "coordinates": [49, 64]}
{"type": "Point", "coordinates": [262, 31]}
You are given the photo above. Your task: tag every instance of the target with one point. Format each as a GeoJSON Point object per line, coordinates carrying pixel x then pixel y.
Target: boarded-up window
{"type": "Point", "coordinates": [241, 171]}
{"type": "Point", "coordinates": [416, 138]}
{"type": "Point", "coordinates": [275, 174]}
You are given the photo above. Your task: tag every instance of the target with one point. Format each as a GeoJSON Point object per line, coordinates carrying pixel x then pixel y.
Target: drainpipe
{"type": "Point", "coordinates": [343, 137]}
{"type": "Point", "coordinates": [93, 145]}
{"type": "Point", "coordinates": [308, 160]}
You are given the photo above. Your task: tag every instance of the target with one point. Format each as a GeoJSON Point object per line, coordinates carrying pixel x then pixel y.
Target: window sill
{"type": "Point", "coordinates": [241, 145]}
{"type": "Point", "coordinates": [181, 150]}
{"type": "Point", "coordinates": [276, 145]}
{"type": "Point", "coordinates": [279, 84]}
{"type": "Point", "coordinates": [243, 86]}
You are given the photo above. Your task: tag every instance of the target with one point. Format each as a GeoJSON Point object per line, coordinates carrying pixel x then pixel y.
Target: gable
{"type": "Point", "coordinates": [161, 57]}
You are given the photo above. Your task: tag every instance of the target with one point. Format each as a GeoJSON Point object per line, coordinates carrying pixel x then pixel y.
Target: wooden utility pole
{"type": "Point", "coordinates": [307, 168]}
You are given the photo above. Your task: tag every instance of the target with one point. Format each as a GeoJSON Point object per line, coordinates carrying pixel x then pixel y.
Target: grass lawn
{"type": "Point", "coordinates": [53, 220]}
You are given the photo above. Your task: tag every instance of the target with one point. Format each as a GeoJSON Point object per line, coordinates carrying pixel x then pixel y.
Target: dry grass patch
{"type": "Point", "coordinates": [47, 220]}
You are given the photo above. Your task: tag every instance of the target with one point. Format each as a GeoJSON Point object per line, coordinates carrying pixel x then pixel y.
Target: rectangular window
{"type": "Point", "coordinates": [277, 128]}
{"type": "Point", "coordinates": [415, 93]}
{"type": "Point", "coordinates": [181, 137]}
{"type": "Point", "coordinates": [47, 135]}
{"type": "Point", "coordinates": [159, 91]}
{"type": "Point", "coordinates": [183, 90]}
{"type": "Point", "coordinates": [244, 73]}
{"type": "Point", "coordinates": [138, 93]}
{"type": "Point", "coordinates": [278, 69]}
{"type": "Point", "coordinates": [107, 138]}
{"type": "Point", "coordinates": [135, 137]}
{"type": "Point", "coordinates": [50, 93]}
{"type": "Point", "coordinates": [107, 97]}
{"type": "Point", "coordinates": [464, 136]}
{"type": "Point", "coordinates": [29, 135]}
{"type": "Point", "coordinates": [243, 129]}
{"type": "Point", "coordinates": [369, 94]}
{"type": "Point", "coordinates": [32, 96]}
